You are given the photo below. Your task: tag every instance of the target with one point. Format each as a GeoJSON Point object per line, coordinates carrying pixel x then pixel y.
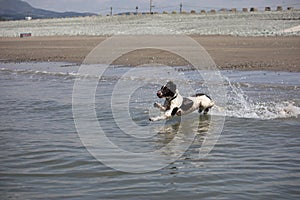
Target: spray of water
{"type": "Point", "coordinates": [241, 106]}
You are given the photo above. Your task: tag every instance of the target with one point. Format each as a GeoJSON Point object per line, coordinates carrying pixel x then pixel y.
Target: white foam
{"type": "Point", "coordinates": [239, 105]}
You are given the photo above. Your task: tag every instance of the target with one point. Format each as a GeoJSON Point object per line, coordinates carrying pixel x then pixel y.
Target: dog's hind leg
{"type": "Point", "coordinates": [200, 109]}
{"type": "Point", "coordinates": [206, 110]}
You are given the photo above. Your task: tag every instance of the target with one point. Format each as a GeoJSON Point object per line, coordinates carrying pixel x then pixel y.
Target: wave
{"type": "Point", "coordinates": [38, 72]}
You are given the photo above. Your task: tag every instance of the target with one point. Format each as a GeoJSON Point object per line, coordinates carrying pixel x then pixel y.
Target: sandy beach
{"type": "Point", "coordinates": [228, 52]}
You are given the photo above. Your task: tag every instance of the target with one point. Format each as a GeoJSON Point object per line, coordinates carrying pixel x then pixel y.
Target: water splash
{"type": "Point", "coordinates": [241, 106]}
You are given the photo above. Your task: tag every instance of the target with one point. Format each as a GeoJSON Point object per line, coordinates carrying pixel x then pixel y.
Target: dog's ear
{"type": "Point", "coordinates": [171, 86]}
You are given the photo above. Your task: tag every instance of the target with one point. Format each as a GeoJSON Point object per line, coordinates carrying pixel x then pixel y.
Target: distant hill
{"type": "Point", "coordinates": [17, 9]}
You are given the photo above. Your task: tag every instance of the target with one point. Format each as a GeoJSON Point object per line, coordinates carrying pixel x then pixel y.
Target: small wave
{"type": "Point", "coordinates": [65, 75]}
{"type": "Point", "coordinates": [38, 72]}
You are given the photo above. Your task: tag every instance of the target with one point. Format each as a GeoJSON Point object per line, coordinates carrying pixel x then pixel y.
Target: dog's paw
{"type": "Point", "coordinates": [151, 119]}
{"type": "Point", "coordinates": [156, 105]}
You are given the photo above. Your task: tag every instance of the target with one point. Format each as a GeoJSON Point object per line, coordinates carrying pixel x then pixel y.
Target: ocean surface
{"type": "Point", "coordinates": [255, 154]}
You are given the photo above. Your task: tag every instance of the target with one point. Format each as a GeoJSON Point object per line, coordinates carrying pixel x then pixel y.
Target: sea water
{"type": "Point", "coordinates": [256, 155]}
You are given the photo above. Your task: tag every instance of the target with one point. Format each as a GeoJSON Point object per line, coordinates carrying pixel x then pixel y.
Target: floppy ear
{"type": "Point", "coordinates": [171, 86]}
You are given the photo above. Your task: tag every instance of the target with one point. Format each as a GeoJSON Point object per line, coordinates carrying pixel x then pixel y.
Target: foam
{"type": "Point", "coordinates": [239, 105]}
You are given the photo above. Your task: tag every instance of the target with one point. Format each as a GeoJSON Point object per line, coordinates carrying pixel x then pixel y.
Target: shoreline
{"type": "Point", "coordinates": [276, 53]}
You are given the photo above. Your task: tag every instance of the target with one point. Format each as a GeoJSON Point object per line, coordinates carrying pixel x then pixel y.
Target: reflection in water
{"type": "Point", "coordinates": [180, 129]}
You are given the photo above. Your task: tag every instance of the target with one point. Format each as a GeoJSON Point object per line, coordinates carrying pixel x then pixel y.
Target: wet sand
{"type": "Point", "coordinates": [228, 52]}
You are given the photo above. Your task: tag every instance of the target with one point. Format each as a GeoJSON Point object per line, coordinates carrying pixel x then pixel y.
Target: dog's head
{"type": "Point", "coordinates": [167, 91]}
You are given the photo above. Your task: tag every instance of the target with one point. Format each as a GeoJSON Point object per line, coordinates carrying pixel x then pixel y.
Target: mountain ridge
{"type": "Point", "coordinates": [17, 9]}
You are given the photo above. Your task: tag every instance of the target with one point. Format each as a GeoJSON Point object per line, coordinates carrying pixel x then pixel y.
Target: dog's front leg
{"type": "Point", "coordinates": [166, 115]}
{"type": "Point", "coordinates": [161, 117]}
{"type": "Point", "coordinates": [161, 107]}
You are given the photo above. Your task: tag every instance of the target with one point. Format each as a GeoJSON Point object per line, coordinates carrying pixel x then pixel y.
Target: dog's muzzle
{"type": "Point", "coordinates": [159, 94]}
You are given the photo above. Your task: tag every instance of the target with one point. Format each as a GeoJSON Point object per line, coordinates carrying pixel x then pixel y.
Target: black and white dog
{"type": "Point", "coordinates": [175, 104]}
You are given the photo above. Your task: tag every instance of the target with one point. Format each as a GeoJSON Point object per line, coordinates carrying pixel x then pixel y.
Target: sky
{"type": "Point", "coordinates": [103, 6]}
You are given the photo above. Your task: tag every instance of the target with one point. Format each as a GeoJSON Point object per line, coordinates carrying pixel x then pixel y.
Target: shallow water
{"type": "Point", "coordinates": [255, 157]}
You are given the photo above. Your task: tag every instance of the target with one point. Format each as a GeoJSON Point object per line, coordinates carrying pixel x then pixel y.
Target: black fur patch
{"type": "Point", "coordinates": [169, 89]}
{"type": "Point", "coordinates": [186, 104]}
{"type": "Point", "coordinates": [201, 94]}
{"type": "Point", "coordinates": [174, 111]}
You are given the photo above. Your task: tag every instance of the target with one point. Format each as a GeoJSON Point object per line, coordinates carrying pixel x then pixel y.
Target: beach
{"type": "Point", "coordinates": [277, 53]}
{"type": "Point", "coordinates": [234, 40]}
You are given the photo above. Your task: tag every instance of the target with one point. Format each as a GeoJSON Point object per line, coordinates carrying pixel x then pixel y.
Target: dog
{"type": "Point", "coordinates": [177, 105]}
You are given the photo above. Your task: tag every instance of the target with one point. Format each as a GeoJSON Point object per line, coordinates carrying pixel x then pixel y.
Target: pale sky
{"type": "Point", "coordinates": [103, 6]}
